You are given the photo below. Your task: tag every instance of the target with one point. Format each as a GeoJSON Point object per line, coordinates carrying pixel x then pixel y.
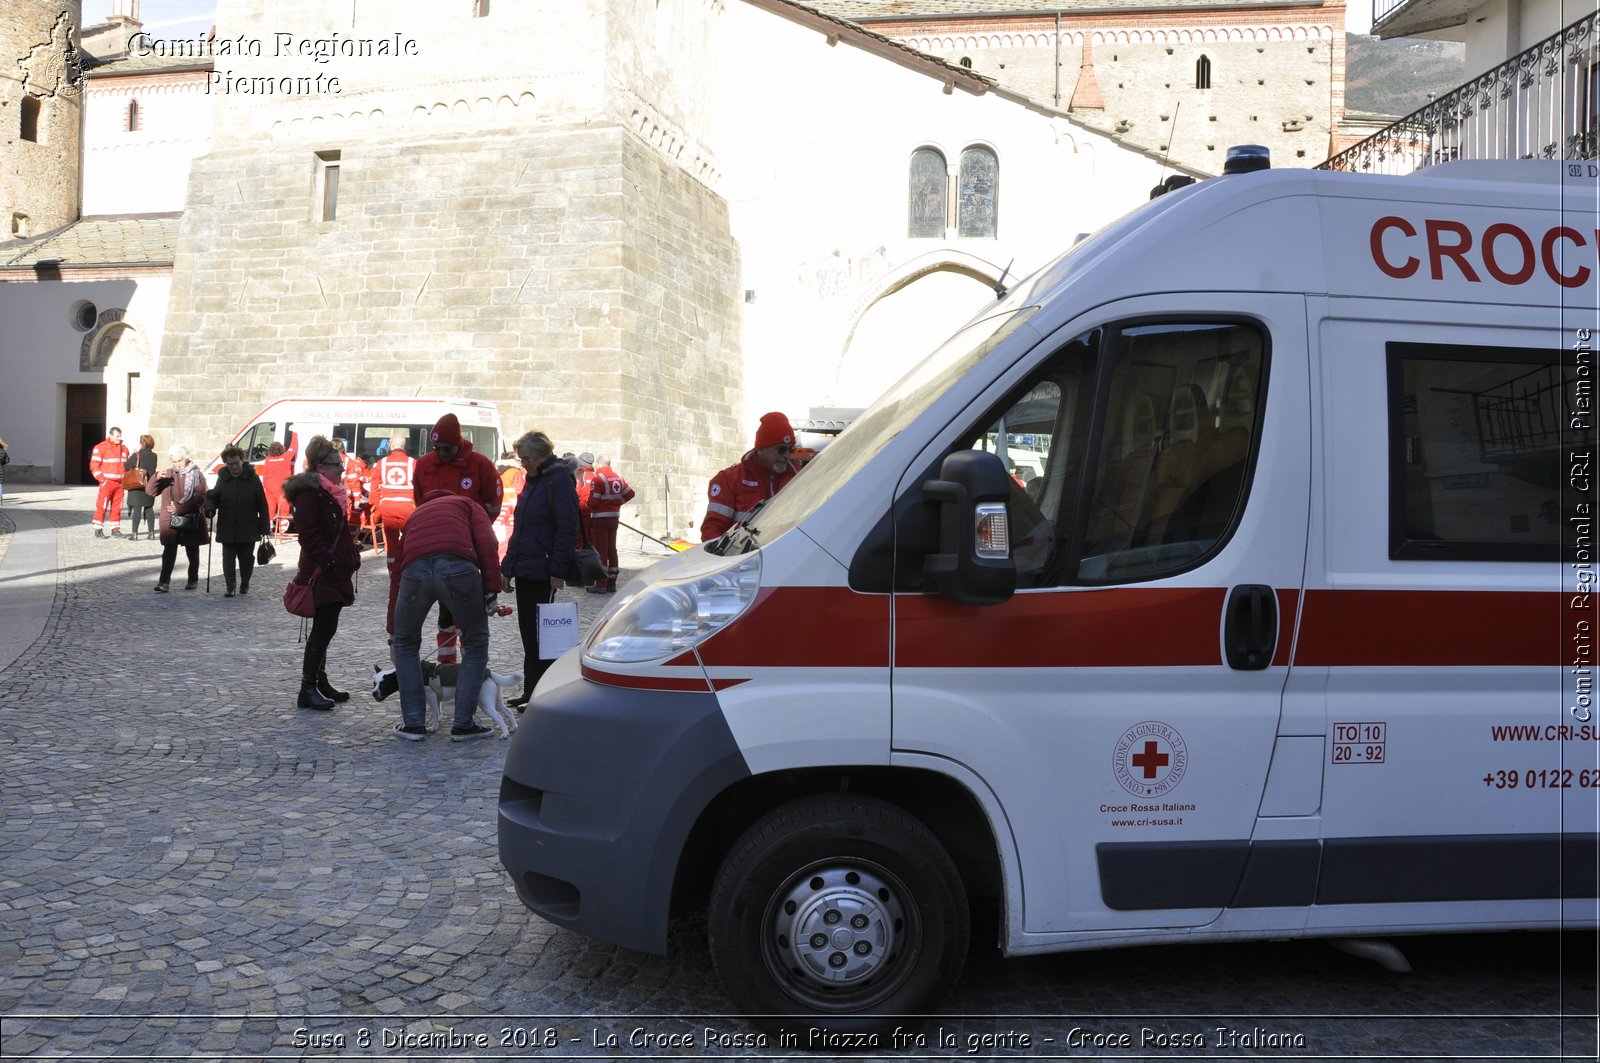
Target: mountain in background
{"type": "Point", "coordinates": [1395, 77]}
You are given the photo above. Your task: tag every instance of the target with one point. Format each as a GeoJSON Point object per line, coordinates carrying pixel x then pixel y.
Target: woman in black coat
{"type": "Point", "coordinates": [238, 503]}
{"type": "Point", "coordinates": [538, 557]}
{"type": "Point", "coordinates": [328, 560]}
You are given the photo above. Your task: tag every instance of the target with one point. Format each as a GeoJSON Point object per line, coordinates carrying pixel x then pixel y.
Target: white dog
{"type": "Point", "coordinates": [491, 696]}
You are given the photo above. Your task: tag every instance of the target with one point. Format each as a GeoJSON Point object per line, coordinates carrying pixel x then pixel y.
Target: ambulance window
{"type": "Point", "coordinates": [373, 442]}
{"type": "Point", "coordinates": [1181, 415]}
{"type": "Point", "coordinates": [1477, 443]}
{"type": "Point", "coordinates": [482, 439]}
{"type": "Point", "coordinates": [1138, 471]}
{"type": "Point", "coordinates": [256, 441]}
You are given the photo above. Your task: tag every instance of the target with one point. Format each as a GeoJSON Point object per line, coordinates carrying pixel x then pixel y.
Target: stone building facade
{"type": "Point", "coordinates": [1188, 78]}
{"type": "Point", "coordinates": [546, 241]}
{"type": "Point", "coordinates": [41, 83]}
{"type": "Point", "coordinates": [635, 225]}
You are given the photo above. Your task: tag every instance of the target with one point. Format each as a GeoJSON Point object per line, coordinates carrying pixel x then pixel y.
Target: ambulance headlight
{"type": "Point", "coordinates": [669, 617]}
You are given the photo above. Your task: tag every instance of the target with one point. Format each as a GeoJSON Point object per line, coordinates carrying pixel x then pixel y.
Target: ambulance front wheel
{"type": "Point", "coordinates": [837, 914]}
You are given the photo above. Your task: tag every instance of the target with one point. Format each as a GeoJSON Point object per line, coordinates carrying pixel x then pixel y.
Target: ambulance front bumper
{"type": "Point", "coordinates": [602, 786]}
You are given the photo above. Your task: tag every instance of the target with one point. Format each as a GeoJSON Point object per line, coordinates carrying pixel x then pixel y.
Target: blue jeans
{"type": "Point", "coordinates": [457, 583]}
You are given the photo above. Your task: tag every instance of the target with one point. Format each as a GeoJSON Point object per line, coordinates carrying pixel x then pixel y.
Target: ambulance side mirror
{"type": "Point", "coordinates": [974, 564]}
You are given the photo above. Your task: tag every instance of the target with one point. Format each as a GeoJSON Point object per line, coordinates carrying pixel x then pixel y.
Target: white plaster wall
{"type": "Point", "coordinates": [815, 173]}
{"type": "Point", "coordinates": [40, 349]}
{"type": "Point", "coordinates": [143, 171]}
{"type": "Point", "coordinates": [1498, 30]}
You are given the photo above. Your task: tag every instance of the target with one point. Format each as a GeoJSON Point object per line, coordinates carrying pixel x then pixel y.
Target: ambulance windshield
{"type": "Point", "coordinates": [870, 432]}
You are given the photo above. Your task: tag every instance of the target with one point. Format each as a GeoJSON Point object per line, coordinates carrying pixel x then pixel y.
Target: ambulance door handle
{"type": "Point", "coordinates": [1250, 626]}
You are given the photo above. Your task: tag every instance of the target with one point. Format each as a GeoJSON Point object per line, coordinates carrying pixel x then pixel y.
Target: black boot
{"type": "Point", "coordinates": [311, 697]}
{"type": "Point", "coordinates": [327, 689]}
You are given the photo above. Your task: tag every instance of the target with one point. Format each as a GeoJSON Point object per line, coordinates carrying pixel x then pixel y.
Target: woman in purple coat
{"type": "Point", "coordinates": [328, 558]}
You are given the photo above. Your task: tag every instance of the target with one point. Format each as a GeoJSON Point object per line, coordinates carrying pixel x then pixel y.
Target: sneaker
{"type": "Point", "coordinates": [116, 533]}
{"type": "Point", "coordinates": [469, 732]}
{"type": "Point", "coordinates": [597, 588]}
{"type": "Point", "coordinates": [414, 733]}
{"type": "Point", "coordinates": [161, 588]}
{"type": "Point", "coordinates": [99, 533]}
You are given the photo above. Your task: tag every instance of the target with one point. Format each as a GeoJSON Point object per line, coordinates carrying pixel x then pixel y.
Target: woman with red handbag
{"type": "Point", "coordinates": [328, 561]}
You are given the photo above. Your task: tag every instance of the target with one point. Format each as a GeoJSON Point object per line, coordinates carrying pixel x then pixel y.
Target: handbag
{"type": "Point", "coordinates": [586, 566]}
{"type": "Point", "coordinates": [180, 520]}
{"type": "Point", "coordinates": [265, 552]}
{"type": "Point", "coordinates": [133, 478]}
{"type": "Point", "coordinates": [300, 599]}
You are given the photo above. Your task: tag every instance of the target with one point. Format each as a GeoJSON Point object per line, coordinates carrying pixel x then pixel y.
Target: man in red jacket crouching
{"type": "Point", "coordinates": [447, 554]}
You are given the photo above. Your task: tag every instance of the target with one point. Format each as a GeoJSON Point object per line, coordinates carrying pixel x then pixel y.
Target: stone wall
{"type": "Point", "coordinates": [39, 176]}
{"type": "Point", "coordinates": [1277, 75]}
{"type": "Point", "coordinates": [555, 273]}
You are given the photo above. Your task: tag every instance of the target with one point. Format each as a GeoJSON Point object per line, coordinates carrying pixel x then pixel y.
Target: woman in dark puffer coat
{"type": "Point", "coordinates": [328, 557]}
{"type": "Point", "coordinates": [539, 554]}
{"type": "Point", "coordinates": [238, 503]}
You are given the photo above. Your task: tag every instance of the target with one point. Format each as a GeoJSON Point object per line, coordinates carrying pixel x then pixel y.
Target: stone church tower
{"type": "Point", "coordinates": [502, 200]}
{"type": "Point", "coordinates": [40, 103]}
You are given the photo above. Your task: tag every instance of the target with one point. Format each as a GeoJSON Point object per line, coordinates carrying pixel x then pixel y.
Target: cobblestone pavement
{"type": "Point", "coordinates": [192, 868]}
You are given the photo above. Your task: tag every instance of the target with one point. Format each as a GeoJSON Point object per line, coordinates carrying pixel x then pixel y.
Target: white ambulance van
{"type": "Point", "coordinates": [365, 425]}
{"type": "Point", "coordinates": [1296, 638]}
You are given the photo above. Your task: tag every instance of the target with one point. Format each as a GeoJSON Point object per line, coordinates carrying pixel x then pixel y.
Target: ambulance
{"type": "Point", "coordinates": [1295, 638]}
{"type": "Point", "coordinates": [364, 424]}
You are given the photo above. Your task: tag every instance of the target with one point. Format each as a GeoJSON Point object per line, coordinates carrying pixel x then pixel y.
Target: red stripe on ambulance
{"type": "Point", "coordinates": [805, 627]}
{"type": "Point", "coordinates": [687, 684]}
{"type": "Point", "coordinates": [1430, 628]}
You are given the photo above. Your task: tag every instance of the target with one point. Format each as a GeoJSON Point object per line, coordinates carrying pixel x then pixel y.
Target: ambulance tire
{"type": "Point", "coordinates": [839, 914]}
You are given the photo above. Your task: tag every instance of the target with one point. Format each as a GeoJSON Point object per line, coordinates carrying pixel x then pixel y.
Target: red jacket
{"type": "Point", "coordinates": [471, 475]}
{"type": "Point", "coordinates": [736, 491]}
{"type": "Point", "coordinates": [448, 524]}
{"type": "Point", "coordinates": [106, 461]}
{"type": "Point", "coordinates": [608, 492]}
{"type": "Point", "coordinates": [275, 470]}
{"type": "Point", "coordinates": [355, 477]}
{"type": "Point", "coordinates": [392, 485]}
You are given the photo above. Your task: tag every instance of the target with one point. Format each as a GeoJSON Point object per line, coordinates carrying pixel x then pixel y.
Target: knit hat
{"type": "Point", "coordinates": [447, 431]}
{"type": "Point", "coordinates": [586, 458]}
{"type": "Point", "coordinates": [775, 430]}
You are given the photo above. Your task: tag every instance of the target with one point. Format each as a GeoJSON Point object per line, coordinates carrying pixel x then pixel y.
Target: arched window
{"type": "Point", "coordinates": [1202, 73]}
{"type": "Point", "coordinates": [133, 116]}
{"type": "Point", "coordinates": [926, 202]}
{"type": "Point", "coordinates": [978, 205]}
{"type": "Point", "coordinates": [30, 118]}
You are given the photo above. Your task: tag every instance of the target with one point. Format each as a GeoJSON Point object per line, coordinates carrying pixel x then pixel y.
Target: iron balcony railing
{"type": "Point", "coordinates": [1541, 104]}
{"type": "Point", "coordinates": [1382, 8]}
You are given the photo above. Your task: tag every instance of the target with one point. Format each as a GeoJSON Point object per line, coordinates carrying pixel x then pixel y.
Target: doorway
{"type": "Point", "coordinates": [86, 426]}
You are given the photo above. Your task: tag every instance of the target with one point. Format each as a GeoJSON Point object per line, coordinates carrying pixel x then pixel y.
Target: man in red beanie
{"type": "Point", "coordinates": [452, 466]}
{"type": "Point", "coordinates": [761, 473]}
